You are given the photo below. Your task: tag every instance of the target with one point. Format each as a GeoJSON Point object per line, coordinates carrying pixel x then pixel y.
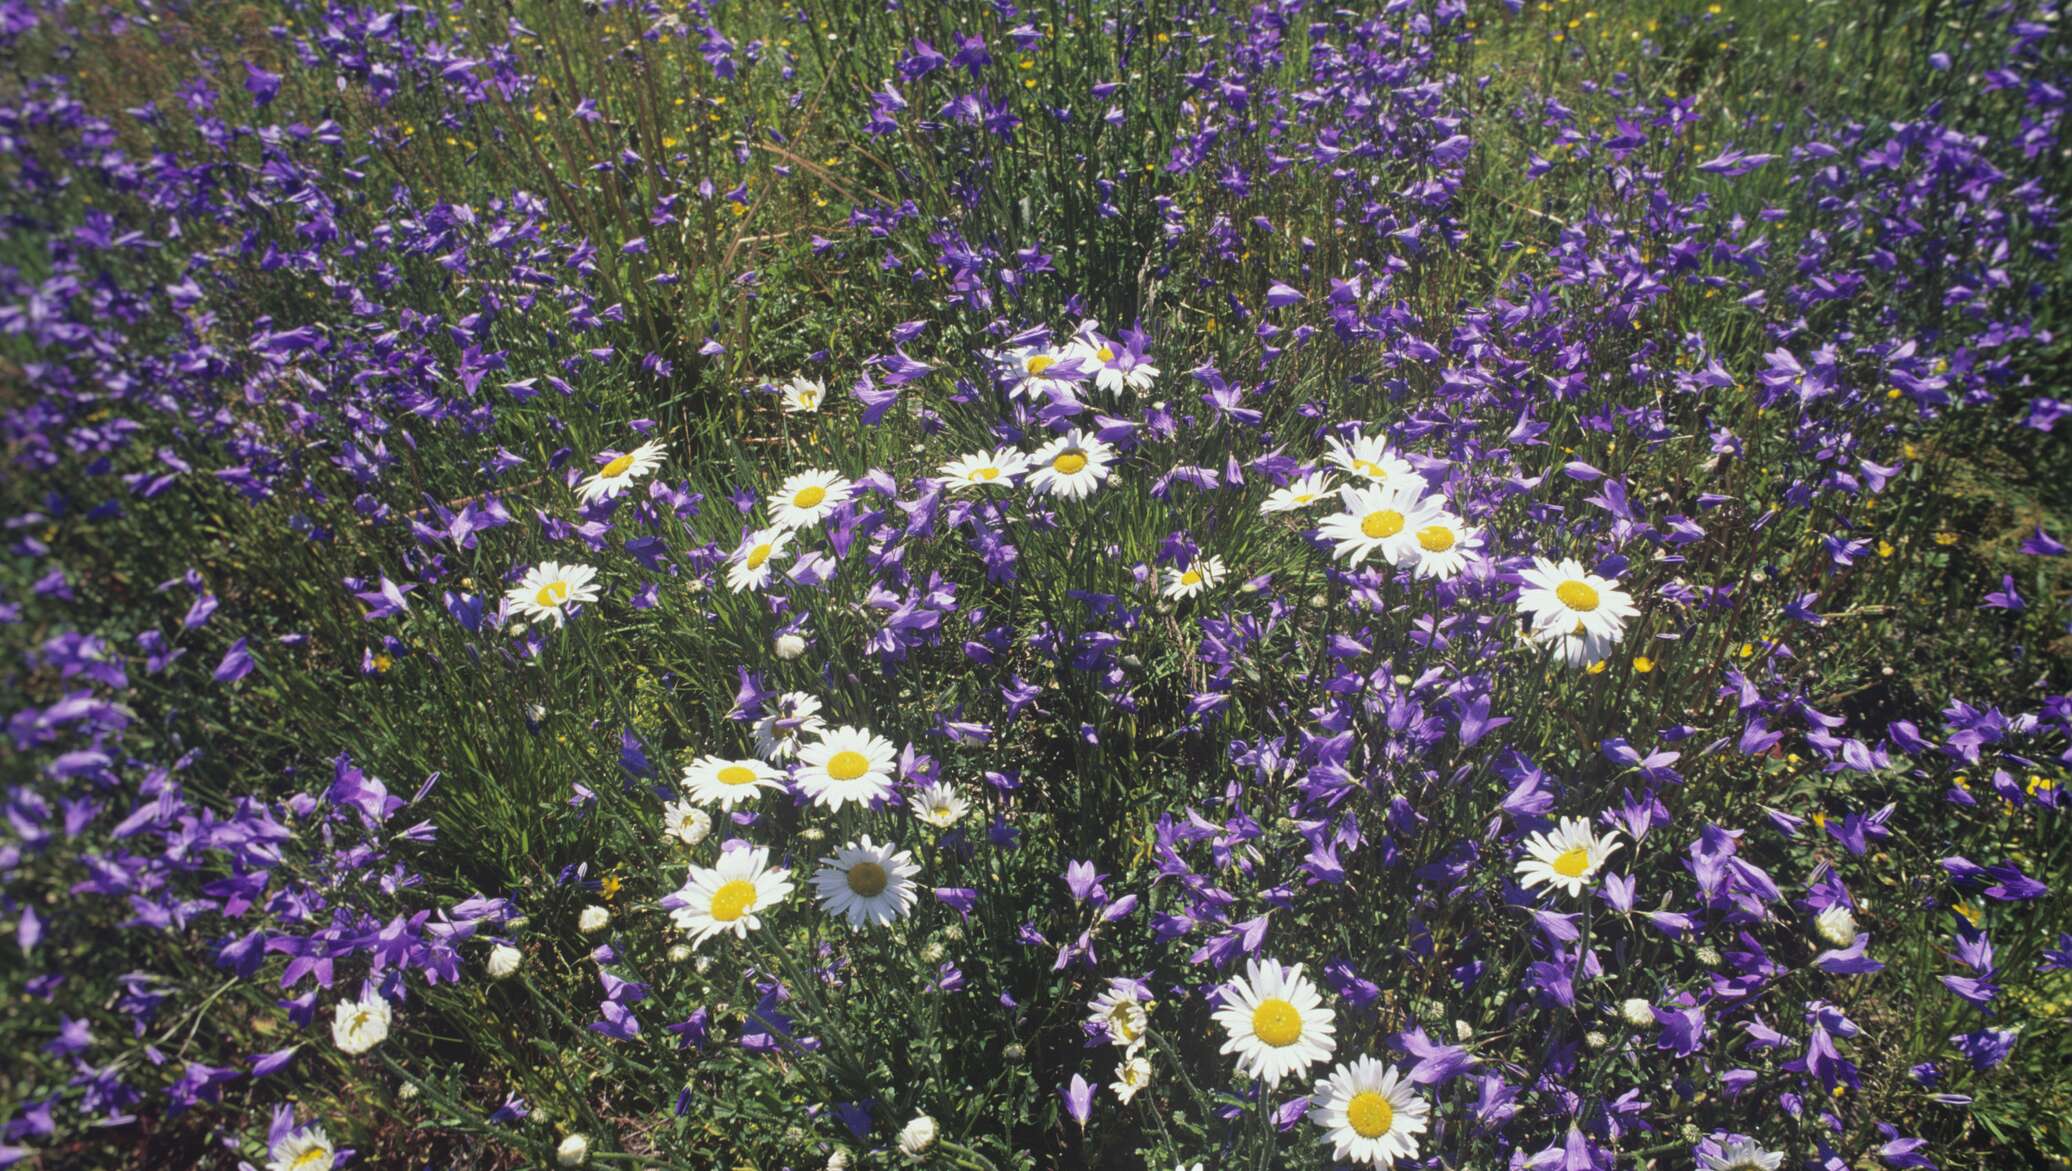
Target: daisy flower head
{"type": "Point", "coordinates": [1382, 521]}
{"type": "Point", "coordinates": [807, 497]}
{"type": "Point", "coordinates": [360, 1025]}
{"type": "Point", "coordinates": [717, 780]}
{"type": "Point", "coordinates": [783, 723]}
{"type": "Point", "coordinates": [939, 805]}
{"type": "Point", "coordinates": [803, 395]}
{"type": "Point", "coordinates": [844, 765]}
{"type": "Point", "coordinates": [1369, 1113]}
{"type": "Point", "coordinates": [1131, 1076]}
{"type": "Point", "coordinates": [750, 566]}
{"type": "Point", "coordinates": [549, 589]}
{"type": "Point", "coordinates": [1567, 858]}
{"type": "Point", "coordinates": [997, 468]}
{"type": "Point", "coordinates": [1121, 1012]}
{"type": "Point", "coordinates": [1203, 574]}
{"type": "Point", "coordinates": [1561, 597]}
{"type": "Point", "coordinates": [1071, 465]}
{"type": "Point", "coordinates": [1368, 458]}
{"type": "Point", "coordinates": [1739, 1155]}
{"type": "Point", "coordinates": [619, 473]}
{"type": "Point", "coordinates": [1032, 372]}
{"type": "Point", "coordinates": [686, 822]}
{"type": "Point", "coordinates": [1442, 545]}
{"type": "Point", "coordinates": [1275, 1021]}
{"type": "Point", "coordinates": [866, 883]}
{"type": "Point", "coordinates": [728, 895]}
{"type": "Point", "coordinates": [306, 1149]}
{"type": "Point", "coordinates": [1301, 492]}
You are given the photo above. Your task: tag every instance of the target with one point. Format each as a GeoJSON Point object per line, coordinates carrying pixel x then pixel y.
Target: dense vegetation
{"type": "Point", "coordinates": [709, 585]}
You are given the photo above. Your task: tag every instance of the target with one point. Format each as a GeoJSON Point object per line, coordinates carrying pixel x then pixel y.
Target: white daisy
{"type": "Point", "coordinates": [1567, 858]}
{"type": "Point", "coordinates": [686, 822]}
{"type": "Point", "coordinates": [1442, 546]}
{"type": "Point", "coordinates": [1028, 372]}
{"type": "Point", "coordinates": [866, 883]}
{"type": "Point", "coordinates": [360, 1025]}
{"type": "Point", "coordinates": [1368, 1113]}
{"type": "Point", "coordinates": [1203, 574]}
{"type": "Point", "coordinates": [807, 498]}
{"type": "Point", "coordinates": [1745, 1155]}
{"type": "Point", "coordinates": [750, 566]}
{"type": "Point", "coordinates": [618, 475]}
{"type": "Point", "coordinates": [1369, 458]}
{"type": "Point", "coordinates": [308, 1149]}
{"type": "Point", "coordinates": [803, 396]}
{"type": "Point", "coordinates": [548, 590]}
{"type": "Point", "coordinates": [1383, 520]}
{"type": "Point", "coordinates": [1277, 1024]}
{"type": "Point", "coordinates": [716, 780]}
{"type": "Point", "coordinates": [727, 896]}
{"type": "Point", "coordinates": [778, 733]}
{"type": "Point", "coordinates": [939, 805]}
{"type": "Point", "coordinates": [1573, 648]}
{"type": "Point", "coordinates": [1071, 466]}
{"type": "Point", "coordinates": [1131, 1076]}
{"type": "Point", "coordinates": [847, 764]}
{"type": "Point", "coordinates": [1561, 597]}
{"type": "Point", "coordinates": [1121, 1012]}
{"type": "Point", "coordinates": [998, 468]}
{"type": "Point", "coordinates": [1300, 493]}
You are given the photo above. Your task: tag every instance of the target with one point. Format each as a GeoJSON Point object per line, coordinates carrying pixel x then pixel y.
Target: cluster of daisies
{"type": "Point", "coordinates": [865, 882]}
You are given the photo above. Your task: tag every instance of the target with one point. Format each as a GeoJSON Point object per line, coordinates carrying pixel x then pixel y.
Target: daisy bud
{"type": "Point", "coordinates": [1637, 1012]}
{"type": "Point", "coordinates": [593, 920]}
{"type": "Point", "coordinates": [917, 1136]}
{"type": "Point", "coordinates": [1836, 925]}
{"type": "Point", "coordinates": [407, 1091]}
{"type": "Point", "coordinates": [503, 961]}
{"type": "Point", "coordinates": [680, 952]}
{"type": "Point", "coordinates": [789, 647]}
{"type": "Point", "coordinates": [574, 1151]}
{"type": "Point", "coordinates": [1595, 1039]}
{"type": "Point", "coordinates": [839, 1161]}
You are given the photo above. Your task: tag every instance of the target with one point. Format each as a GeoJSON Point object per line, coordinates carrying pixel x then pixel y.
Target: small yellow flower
{"type": "Point", "coordinates": [1596, 668]}
{"type": "Point", "coordinates": [1946, 537]}
{"type": "Point", "coordinates": [1885, 548]}
{"type": "Point", "coordinates": [609, 887]}
{"type": "Point", "coordinates": [1642, 664]}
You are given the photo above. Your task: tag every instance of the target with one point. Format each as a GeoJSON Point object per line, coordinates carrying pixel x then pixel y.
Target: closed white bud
{"type": "Point", "coordinates": [503, 961]}
{"type": "Point", "coordinates": [789, 647]}
{"type": "Point", "coordinates": [593, 919]}
{"type": "Point", "coordinates": [917, 1136]}
{"type": "Point", "coordinates": [1637, 1012]}
{"type": "Point", "coordinates": [1836, 925]}
{"type": "Point", "coordinates": [574, 1151]}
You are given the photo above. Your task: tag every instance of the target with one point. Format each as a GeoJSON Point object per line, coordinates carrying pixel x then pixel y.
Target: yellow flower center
{"type": "Point", "coordinates": [737, 774]}
{"type": "Point", "coordinates": [1276, 1022]}
{"type": "Point", "coordinates": [552, 595]}
{"type": "Point", "coordinates": [1369, 1114]}
{"type": "Point", "coordinates": [868, 879]}
{"type": "Point", "coordinates": [1305, 497]}
{"type": "Point", "coordinates": [1382, 524]}
{"type": "Point", "coordinates": [807, 398]}
{"type": "Point", "coordinates": [1572, 862]}
{"type": "Point", "coordinates": [616, 468]}
{"type": "Point", "coordinates": [733, 900]}
{"type": "Point", "coordinates": [1435, 538]}
{"type": "Point", "coordinates": [1039, 364]}
{"type": "Point", "coordinates": [310, 1158]}
{"type": "Point", "coordinates": [985, 473]}
{"type": "Point", "coordinates": [1105, 354]}
{"type": "Point", "coordinates": [1069, 463]}
{"type": "Point", "coordinates": [809, 497]}
{"type": "Point", "coordinates": [1191, 577]}
{"type": "Point", "coordinates": [757, 556]}
{"type": "Point", "coordinates": [359, 1021]}
{"type": "Point", "coordinates": [1577, 595]}
{"type": "Point", "coordinates": [847, 766]}
{"type": "Point", "coordinates": [1370, 469]}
